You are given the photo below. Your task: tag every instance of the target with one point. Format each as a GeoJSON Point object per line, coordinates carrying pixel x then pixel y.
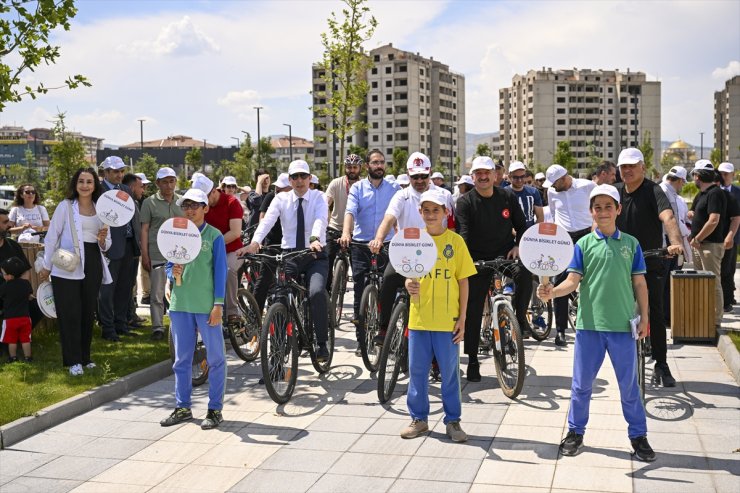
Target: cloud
{"type": "Point", "coordinates": [725, 73]}
{"type": "Point", "coordinates": [181, 38]}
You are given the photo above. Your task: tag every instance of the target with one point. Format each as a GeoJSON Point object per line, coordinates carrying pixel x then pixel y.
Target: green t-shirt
{"type": "Point", "coordinates": [607, 264]}
{"type": "Point", "coordinates": [155, 210]}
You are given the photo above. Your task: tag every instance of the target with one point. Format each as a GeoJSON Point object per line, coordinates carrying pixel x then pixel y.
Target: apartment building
{"type": "Point", "coordinates": [727, 121]}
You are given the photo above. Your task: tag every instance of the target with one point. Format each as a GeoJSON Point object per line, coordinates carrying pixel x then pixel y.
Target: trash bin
{"type": "Point", "coordinates": [692, 306]}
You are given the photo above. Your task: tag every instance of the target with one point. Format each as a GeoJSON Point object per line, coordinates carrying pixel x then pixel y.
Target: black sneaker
{"type": "Point", "coordinates": [473, 374]}
{"type": "Point", "coordinates": [213, 419]}
{"type": "Point", "coordinates": [29, 359]}
{"type": "Point", "coordinates": [179, 415]}
{"type": "Point", "coordinates": [571, 444]}
{"type": "Point", "coordinates": [157, 335]}
{"type": "Point", "coordinates": [663, 374]}
{"type": "Point", "coordinates": [322, 354]}
{"type": "Point", "coordinates": [12, 359]}
{"type": "Point", "coordinates": [560, 339]}
{"type": "Point", "coordinates": [642, 449]}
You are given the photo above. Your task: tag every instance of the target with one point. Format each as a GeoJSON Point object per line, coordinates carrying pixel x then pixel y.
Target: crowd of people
{"type": "Point", "coordinates": [482, 218]}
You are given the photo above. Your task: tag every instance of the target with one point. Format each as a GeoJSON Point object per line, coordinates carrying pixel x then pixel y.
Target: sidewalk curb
{"type": "Point", "coordinates": [60, 412]}
{"type": "Point", "coordinates": [729, 353]}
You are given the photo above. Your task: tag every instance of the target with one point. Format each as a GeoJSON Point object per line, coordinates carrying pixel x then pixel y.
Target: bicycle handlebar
{"type": "Point", "coordinates": [657, 253]}
{"type": "Point", "coordinates": [277, 257]}
{"type": "Point", "coordinates": [496, 263]}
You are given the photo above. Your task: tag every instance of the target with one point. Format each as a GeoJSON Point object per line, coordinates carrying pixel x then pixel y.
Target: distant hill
{"type": "Point", "coordinates": [472, 141]}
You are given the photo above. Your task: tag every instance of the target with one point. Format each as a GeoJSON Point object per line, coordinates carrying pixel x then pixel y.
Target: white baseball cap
{"type": "Point", "coordinates": [165, 173]}
{"type": "Point", "coordinates": [418, 164]}
{"type": "Point", "coordinates": [630, 155]}
{"type": "Point", "coordinates": [194, 194]}
{"type": "Point", "coordinates": [482, 162]}
{"type": "Point", "coordinates": [678, 172]}
{"type": "Point", "coordinates": [298, 166]}
{"type": "Point", "coordinates": [113, 162]}
{"type": "Point", "coordinates": [314, 179]}
{"type": "Point", "coordinates": [195, 176]}
{"type": "Point", "coordinates": [143, 178]}
{"type": "Point", "coordinates": [437, 174]}
{"type": "Point", "coordinates": [390, 178]}
{"type": "Point", "coordinates": [539, 176]}
{"type": "Point", "coordinates": [553, 174]}
{"type": "Point", "coordinates": [228, 180]}
{"type": "Point", "coordinates": [516, 166]}
{"type": "Point", "coordinates": [202, 182]}
{"type": "Point", "coordinates": [282, 181]}
{"type": "Point", "coordinates": [703, 164]}
{"type": "Point", "coordinates": [605, 189]}
{"type": "Point", "coordinates": [433, 195]}
{"type": "Point", "coordinates": [465, 179]}
{"type": "Point", "coordinates": [726, 167]}
{"type": "Point", "coordinates": [403, 179]}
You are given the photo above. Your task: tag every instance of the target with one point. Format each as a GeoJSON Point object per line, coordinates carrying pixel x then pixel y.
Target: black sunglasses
{"type": "Point", "coordinates": [191, 205]}
{"type": "Point", "coordinates": [418, 177]}
{"type": "Point", "coordinates": [29, 192]}
{"type": "Point", "coordinates": [299, 176]}
{"type": "Point", "coordinates": [519, 177]}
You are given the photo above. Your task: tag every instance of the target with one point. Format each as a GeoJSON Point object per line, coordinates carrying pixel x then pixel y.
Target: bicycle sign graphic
{"type": "Point", "coordinates": [406, 265]}
{"type": "Point", "coordinates": [541, 264]}
{"type": "Point", "coordinates": [178, 253]}
{"type": "Point", "coordinates": [111, 216]}
{"type": "Point", "coordinates": [115, 208]}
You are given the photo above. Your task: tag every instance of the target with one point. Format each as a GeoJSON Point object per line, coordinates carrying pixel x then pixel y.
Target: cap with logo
{"type": "Point", "coordinates": [282, 181]}
{"type": "Point", "coordinates": [228, 180]}
{"type": "Point", "coordinates": [466, 180]}
{"type": "Point", "coordinates": [202, 182]}
{"type": "Point", "coordinates": [433, 196]}
{"type": "Point", "coordinates": [726, 167]}
{"type": "Point", "coordinates": [112, 162]}
{"type": "Point", "coordinates": [630, 155]}
{"type": "Point", "coordinates": [703, 165]}
{"type": "Point", "coordinates": [677, 172]}
{"type": "Point", "coordinates": [166, 172]}
{"type": "Point", "coordinates": [143, 178]}
{"type": "Point", "coordinates": [605, 189]}
{"type": "Point", "coordinates": [482, 162]}
{"type": "Point", "coordinates": [418, 164]}
{"type": "Point", "coordinates": [194, 195]}
{"type": "Point", "coordinates": [403, 179]}
{"type": "Point", "coordinates": [437, 174]}
{"type": "Point", "coordinates": [553, 174]}
{"type": "Point", "coordinates": [516, 166]}
{"type": "Point", "coordinates": [298, 166]}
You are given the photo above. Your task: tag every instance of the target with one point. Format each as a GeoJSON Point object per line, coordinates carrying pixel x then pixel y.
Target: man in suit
{"type": "Point", "coordinates": [114, 300]}
{"type": "Point", "coordinates": [729, 259]}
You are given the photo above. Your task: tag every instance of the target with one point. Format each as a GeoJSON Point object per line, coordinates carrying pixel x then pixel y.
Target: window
{"type": "Point", "coordinates": [560, 88]}
{"type": "Point", "coordinates": [561, 100]}
{"type": "Point", "coordinates": [374, 98]}
{"type": "Point", "coordinates": [374, 85]}
{"type": "Point", "coordinates": [391, 56]}
{"type": "Point", "coordinates": [388, 83]}
{"type": "Point", "coordinates": [561, 111]}
{"type": "Point", "coordinates": [388, 97]}
{"type": "Point", "coordinates": [561, 133]}
{"type": "Point", "coordinates": [375, 124]}
{"type": "Point", "coordinates": [376, 58]}
{"type": "Point", "coordinates": [610, 111]}
{"type": "Point", "coordinates": [375, 111]}
{"type": "Point", "coordinates": [375, 138]}
{"type": "Point", "coordinates": [388, 124]}
{"type": "Point", "coordinates": [389, 111]}
{"type": "Point", "coordinates": [402, 68]}
{"type": "Point", "coordinates": [374, 71]}
{"type": "Point", "coordinates": [388, 70]}
{"type": "Point", "coordinates": [389, 138]}
{"type": "Point", "coordinates": [421, 71]}
{"type": "Point", "coordinates": [561, 122]}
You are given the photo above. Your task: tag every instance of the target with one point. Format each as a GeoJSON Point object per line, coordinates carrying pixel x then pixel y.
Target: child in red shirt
{"type": "Point", "coordinates": [15, 293]}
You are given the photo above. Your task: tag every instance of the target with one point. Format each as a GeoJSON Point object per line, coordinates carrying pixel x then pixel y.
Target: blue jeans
{"type": "Point", "coordinates": [423, 346]}
{"type": "Point", "coordinates": [591, 347]}
{"type": "Point", "coordinates": [184, 336]}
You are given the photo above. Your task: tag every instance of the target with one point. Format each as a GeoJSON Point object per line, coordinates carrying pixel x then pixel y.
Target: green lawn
{"type": "Point", "coordinates": [735, 336]}
{"type": "Point", "coordinates": [26, 388]}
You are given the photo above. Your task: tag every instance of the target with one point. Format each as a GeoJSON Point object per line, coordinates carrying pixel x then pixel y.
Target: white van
{"type": "Point", "coordinates": [7, 196]}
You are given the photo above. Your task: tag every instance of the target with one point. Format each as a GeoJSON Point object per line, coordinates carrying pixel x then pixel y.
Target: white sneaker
{"type": "Point", "coordinates": [76, 370]}
{"type": "Point", "coordinates": [90, 365]}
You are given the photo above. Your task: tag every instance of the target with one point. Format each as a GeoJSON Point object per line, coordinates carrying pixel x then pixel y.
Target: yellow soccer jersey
{"type": "Point", "coordinates": [439, 300]}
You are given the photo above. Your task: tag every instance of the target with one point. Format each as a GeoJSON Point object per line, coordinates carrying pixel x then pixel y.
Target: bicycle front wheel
{"type": "Point", "coordinates": [323, 367]}
{"type": "Point", "coordinates": [245, 336]}
{"type": "Point", "coordinates": [369, 327]}
{"type": "Point", "coordinates": [394, 352]}
{"type": "Point", "coordinates": [510, 359]}
{"type": "Point", "coordinates": [199, 373]}
{"type": "Point", "coordinates": [279, 348]}
{"type": "Point", "coordinates": [485, 343]}
{"type": "Point", "coordinates": [338, 288]}
{"type": "Point", "coordinates": [540, 317]}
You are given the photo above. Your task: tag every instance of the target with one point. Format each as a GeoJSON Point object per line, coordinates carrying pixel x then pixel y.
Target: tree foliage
{"type": "Point", "coordinates": [564, 157]}
{"type": "Point", "coordinates": [148, 165]}
{"type": "Point", "coordinates": [400, 156]}
{"type": "Point", "coordinates": [66, 158]}
{"type": "Point", "coordinates": [716, 157]}
{"type": "Point", "coordinates": [647, 150]}
{"type": "Point", "coordinates": [25, 28]}
{"type": "Point", "coordinates": [483, 149]}
{"type": "Point", "coordinates": [344, 67]}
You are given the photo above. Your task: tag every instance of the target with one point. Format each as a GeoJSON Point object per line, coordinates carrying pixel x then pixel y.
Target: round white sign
{"type": "Point", "coordinates": [179, 240]}
{"type": "Point", "coordinates": [115, 208]}
{"type": "Point", "coordinates": [412, 253]}
{"type": "Point", "coordinates": [45, 299]}
{"type": "Point", "coordinates": [546, 249]}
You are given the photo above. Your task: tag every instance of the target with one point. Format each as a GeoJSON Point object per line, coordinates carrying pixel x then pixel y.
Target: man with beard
{"type": "Point", "coordinates": [367, 202]}
{"type": "Point", "coordinates": [336, 196]}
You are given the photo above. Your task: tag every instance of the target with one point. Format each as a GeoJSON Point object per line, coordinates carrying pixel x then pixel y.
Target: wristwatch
{"type": "Point", "coordinates": [313, 238]}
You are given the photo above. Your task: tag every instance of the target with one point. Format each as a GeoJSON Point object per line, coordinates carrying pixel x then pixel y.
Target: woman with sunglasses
{"type": "Point", "coordinates": [27, 213]}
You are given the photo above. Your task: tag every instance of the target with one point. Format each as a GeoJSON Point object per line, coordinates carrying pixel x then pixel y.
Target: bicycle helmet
{"type": "Point", "coordinates": [353, 160]}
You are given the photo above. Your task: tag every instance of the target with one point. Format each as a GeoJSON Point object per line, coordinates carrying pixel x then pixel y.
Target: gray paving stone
{"type": "Point", "coordinates": [73, 468]}
{"type": "Point", "coordinates": [441, 469]}
{"type": "Point", "coordinates": [380, 444]}
{"type": "Point", "coordinates": [53, 443]}
{"type": "Point", "coordinates": [659, 480]}
{"type": "Point", "coordinates": [287, 459]}
{"type": "Point", "coordinates": [343, 483]}
{"type": "Point", "coordinates": [93, 487]}
{"type": "Point", "coordinates": [324, 440]}
{"type": "Point", "coordinates": [405, 485]}
{"type": "Point", "coordinates": [136, 472]}
{"type": "Point", "coordinates": [523, 452]}
{"type": "Point", "coordinates": [437, 446]}
{"type": "Point", "coordinates": [177, 452]}
{"type": "Point", "coordinates": [14, 463]}
{"type": "Point", "coordinates": [388, 466]}
{"type": "Point", "coordinates": [494, 471]}
{"type": "Point", "coordinates": [592, 478]}
{"type": "Point", "coordinates": [201, 478]}
{"type": "Point", "coordinates": [28, 484]}
{"type": "Point", "coordinates": [348, 425]}
{"type": "Point", "coordinates": [262, 481]}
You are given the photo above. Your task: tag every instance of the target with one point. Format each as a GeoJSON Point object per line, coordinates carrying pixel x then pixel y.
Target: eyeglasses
{"type": "Point", "coordinates": [418, 177]}
{"type": "Point", "coordinates": [517, 177]}
{"type": "Point", "coordinates": [230, 186]}
{"type": "Point", "coordinates": [376, 161]}
{"type": "Point", "coordinates": [191, 206]}
{"type": "Point", "coordinates": [299, 176]}
{"type": "Point", "coordinates": [29, 192]}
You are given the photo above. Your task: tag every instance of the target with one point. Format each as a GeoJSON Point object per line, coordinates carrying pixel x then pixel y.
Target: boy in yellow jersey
{"type": "Point", "coordinates": [437, 322]}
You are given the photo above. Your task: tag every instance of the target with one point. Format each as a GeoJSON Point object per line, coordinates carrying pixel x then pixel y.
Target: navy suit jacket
{"type": "Point", "coordinates": [118, 235]}
{"type": "Point", "coordinates": [735, 191]}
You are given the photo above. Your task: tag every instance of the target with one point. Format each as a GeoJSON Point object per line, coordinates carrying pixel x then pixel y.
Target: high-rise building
{"type": "Point", "coordinates": [413, 103]}
{"type": "Point", "coordinates": [598, 112]}
{"type": "Point", "coordinates": [727, 121]}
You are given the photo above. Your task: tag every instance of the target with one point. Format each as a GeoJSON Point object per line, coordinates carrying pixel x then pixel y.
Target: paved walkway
{"type": "Point", "coordinates": [335, 436]}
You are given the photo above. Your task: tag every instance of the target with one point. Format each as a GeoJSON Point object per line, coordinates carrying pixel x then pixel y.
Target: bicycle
{"type": "Point", "coordinates": [539, 315]}
{"type": "Point", "coordinates": [369, 313]}
{"type": "Point", "coordinates": [339, 281]}
{"type": "Point", "coordinates": [395, 350]}
{"type": "Point", "coordinates": [245, 333]}
{"type": "Point", "coordinates": [287, 328]}
{"type": "Point", "coordinates": [200, 363]}
{"type": "Point", "coordinates": [500, 327]}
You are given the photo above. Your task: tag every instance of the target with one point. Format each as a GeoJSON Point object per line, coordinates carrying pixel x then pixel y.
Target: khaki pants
{"type": "Point", "coordinates": [232, 283]}
{"type": "Point", "coordinates": [143, 280]}
{"type": "Point", "coordinates": [710, 258]}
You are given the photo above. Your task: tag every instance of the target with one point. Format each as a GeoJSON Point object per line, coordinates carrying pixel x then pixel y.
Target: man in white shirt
{"type": "Point", "coordinates": [303, 216]}
{"type": "Point", "coordinates": [568, 198]}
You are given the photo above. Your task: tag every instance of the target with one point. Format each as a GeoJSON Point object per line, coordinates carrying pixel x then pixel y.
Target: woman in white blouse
{"type": "Point", "coordinates": [27, 213]}
{"type": "Point", "coordinates": [76, 292]}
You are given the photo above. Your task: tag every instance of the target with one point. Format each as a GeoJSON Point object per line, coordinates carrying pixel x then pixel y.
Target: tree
{"type": "Point", "coordinates": [66, 158]}
{"type": "Point", "coordinates": [564, 157]}
{"type": "Point", "coordinates": [25, 28]}
{"type": "Point", "coordinates": [193, 161]}
{"type": "Point", "coordinates": [148, 165]}
{"type": "Point", "coordinates": [483, 149]}
{"type": "Point", "coordinates": [344, 67]}
{"type": "Point", "coordinates": [355, 149]}
{"type": "Point", "coordinates": [647, 150]}
{"type": "Point", "coordinates": [400, 156]}
{"type": "Point", "coordinates": [716, 157]}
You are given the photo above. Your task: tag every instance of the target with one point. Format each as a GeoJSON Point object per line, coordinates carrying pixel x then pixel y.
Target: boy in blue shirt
{"type": "Point", "coordinates": [610, 268]}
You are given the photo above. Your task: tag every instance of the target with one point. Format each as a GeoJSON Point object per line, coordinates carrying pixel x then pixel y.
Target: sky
{"type": "Point", "coordinates": [198, 67]}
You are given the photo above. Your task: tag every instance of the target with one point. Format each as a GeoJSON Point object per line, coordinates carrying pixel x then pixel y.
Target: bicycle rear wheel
{"type": "Point", "coordinates": [369, 326]}
{"type": "Point", "coordinates": [510, 359]}
{"type": "Point", "coordinates": [200, 363]}
{"type": "Point", "coordinates": [394, 352]}
{"type": "Point", "coordinates": [338, 288]}
{"type": "Point", "coordinates": [539, 316]}
{"type": "Point", "coordinates": [279, 348]}
{"type": "Point", "coordinates": [572, 309]}
{"type": "Point", "coordinates": [245, 336]}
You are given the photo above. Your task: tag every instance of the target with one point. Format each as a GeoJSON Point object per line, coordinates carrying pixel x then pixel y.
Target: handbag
{"type": "Point", "coordinates": [64, 259]}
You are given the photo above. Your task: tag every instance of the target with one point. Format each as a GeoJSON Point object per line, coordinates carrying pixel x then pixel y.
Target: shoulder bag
{"type": "Point", "coordinates": [64, 259]}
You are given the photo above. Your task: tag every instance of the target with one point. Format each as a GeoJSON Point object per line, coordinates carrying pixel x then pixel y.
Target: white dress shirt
{"type": "Point", "coordinates": [404, 207]}
{"type": "Point", "coordinates": [285, 207]}
{"type": "Point", "coordinates": [570, 209]}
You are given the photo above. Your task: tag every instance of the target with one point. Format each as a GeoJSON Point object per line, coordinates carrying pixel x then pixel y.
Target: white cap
{"type": "Point", "coordinates": [298, 166]}
{"type": "Point", "coordinates": [703, 164]}
{"type": "Point", "coordinates": [113, 162]}
{"type": "Point", "coordinates": [539, 176]}
{"type": "Point", "coordinates": [605, 190]}
{"type": "Point", "coordinates": [282, 181]}
{"type": "Point", "coordinates": [466, 179]}
{"type": "Point", "coordinates": [390, 178]}
{"type": "Point", "coordinates": [437, 174]}
{"type": "Point", "coordinates": [202, 182]}
{"type": "Point", "coordinates": [516, 166]}
{"type": "Point", "coordinates": [228, 180]}
{"type": "Point", "coordinates": [726, 167]}
{"type": "Point", "coordinates": [418, 163]}
{"type": "Point", "coordinates": [403, 179]}
{"type": "Point", "coordinates": [433, 196]}
{"type": "Point", "coordinates": [482, 162]}
{"type": "Point", "coordinates": [553, 174]}
{"type": "Point", "coordinates": [194, 194]}
{"type": "Point", "coordinates": [143, 178]}
{"type": "Point", "coordinates": [678, 172]}
{"type": "Point", "coordinates": [195, 176]}
{"type": "Point", "coordinates": [314, 179]}
{"type": "Point", "coordinates": [166, 173]}
{"type": "Point", "coordinates": [631, 155]}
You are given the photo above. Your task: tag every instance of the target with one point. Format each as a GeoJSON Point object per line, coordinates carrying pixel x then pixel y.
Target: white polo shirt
{"type": "Point", "coordinates": [404, 207]}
